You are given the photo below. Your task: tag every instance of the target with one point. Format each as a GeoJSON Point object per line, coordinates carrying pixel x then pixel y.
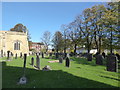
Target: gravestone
{"type": "Point", "coordinates": [32, 61]}
{"type": "Point", "coordinates": [42, 55]}
{"type": "Point", "coordinates": [89, 57]}
{"type": "Point", "coordinates": [23, 79]}
{"type": "Point", "coordinates": [16, 56]}
{"type": "Point", "coordinates": [47, 68]}
{"type": "Point", "coordinates": [1, 53]}
{"type": "Point", "coordinates": [103, 54]}
{"type": "Point", "coordinates": [99, 59]}
{"type": "Point", "coordinates": [56, 55]}
{"type": "Point", "coordinates": [67, 62]}
{"type": "Point", "coordinates": [112, 63]}
{"type": "Point", "coordinates": [60, 59]}
{"type": "Point", "coordinates": [20, 55]}
{"type": "Point", "coordinates": [37, 62]}
{"type": "Point", "coordinates": [50, 55]}
{"type": "Point", "coordinates": [8, 55]}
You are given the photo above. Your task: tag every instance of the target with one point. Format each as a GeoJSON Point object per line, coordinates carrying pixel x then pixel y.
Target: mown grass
{"type": "Point", "coordinates": [80, 74]}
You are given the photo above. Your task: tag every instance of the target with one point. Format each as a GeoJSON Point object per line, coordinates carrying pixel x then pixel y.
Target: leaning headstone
{"type": "Point", "coordinates": [67, 62]}
{"type": "Point", "coordinates": [23, 79]}
{"type": "Point", "coordinates": [37, 62]}
{"type": "Point", "coordinates": [89, 57]}
{"type": "Point", "coordinates": [16, 56]}
{"type": "Point", "coordinates": [60, 60]}
{"type": "Point", "coordinates": [112, 63]}
{"type": "Point", "coordinates": [32, 61]}
{"type": "Point", "coordinates": [47, 68]}
{"type": "Point", "coordinates": [99, 59]}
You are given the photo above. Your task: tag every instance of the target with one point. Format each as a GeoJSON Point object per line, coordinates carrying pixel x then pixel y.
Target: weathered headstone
{"type": "Point", "coordinates": [112, 63]}
{"type": "Point", "coordinates": [8, 55]}
{"type": "Point", "coordinates": [99, 59]}
{"type": "Point", "coordinates": [103, 54]}
{"type": "Point", "coordinates": [23, 79]}
{"type": "Point", "coordinates": [50, 55]}
{"type": "Point", "coordinates": [20, 55]}
{"type": "Point", "coordinates": [42, 55]}
{"type": "Point", "coordinates": [60, 59]}
{"type": "Point", "coordinates": [1, 53]}
{"type": "Point", "coordinates": [16, 56]}
{"type": "Point", "coordinates": [37, 62]}
{"type": "Point", "coordinates": [67, 62]}
{"type": "Point", "coordinates": [56, 55]}
{"type": "Point", "coordinates": [89, 57]}
{"type": "Point", "coordinates": [32, 61]}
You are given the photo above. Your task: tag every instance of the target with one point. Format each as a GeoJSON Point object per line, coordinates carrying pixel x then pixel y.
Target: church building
{"type": "Point", "coordinates": [15, 40]}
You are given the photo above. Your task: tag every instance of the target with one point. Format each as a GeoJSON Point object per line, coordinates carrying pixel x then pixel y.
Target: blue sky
{"type": "Point", "coordinates": [41, 16]}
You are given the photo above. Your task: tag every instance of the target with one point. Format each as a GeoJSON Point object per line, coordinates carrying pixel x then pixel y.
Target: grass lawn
{"type": "Point", "coordinates": [80, 74]}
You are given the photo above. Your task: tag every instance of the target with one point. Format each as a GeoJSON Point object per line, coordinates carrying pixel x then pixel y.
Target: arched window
{"type": "Point", "coordinates": [17, 45]}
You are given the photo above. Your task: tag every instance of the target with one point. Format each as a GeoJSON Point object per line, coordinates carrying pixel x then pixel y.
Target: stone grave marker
{"type": "Point", "coordinates": [67, 62]}
{"type": "Point", "coordinates": [20, 55]}
{"type": "Point", "coordinates": [112, 63]}
{"type": "Point", "coordinates": [99, 59]}
{"type": "Point", "coordinates": [8, 55]}
{"type": "Point", "coordinates": [32, 61]}
{"type": "Point", "coordinates": [60, 59]}
{"type": "Point", "coordinates": [118, 57]}
{"type": "Point", "coordinates": [103, 54]}
{"type": "Point", "coordinates": [56, 55]}
{"type": "Point", "coordinates": [50, 55]}
{"type": "Point", "coordinates": [46, 68]}
{"type": "Point", "coordinates": [16, 56]}
{"type": "Point", "coordinates": [42, 55]}
{"type": "Point", "coordinates": [89, 57]}
{"type": "Point", "coordinates": [23, 79]}
{"type": "Point", "coordinates": [37, 62]}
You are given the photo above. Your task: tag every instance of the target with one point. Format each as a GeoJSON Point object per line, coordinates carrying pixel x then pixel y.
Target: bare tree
{"type": "Point", "coordinates": [46, 39]}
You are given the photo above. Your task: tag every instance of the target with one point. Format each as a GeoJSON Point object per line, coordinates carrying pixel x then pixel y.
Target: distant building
{"type": "Point", "coordinates": [36, 46]}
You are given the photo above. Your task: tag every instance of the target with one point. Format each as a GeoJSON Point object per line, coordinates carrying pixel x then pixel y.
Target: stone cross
{"type": "Point", "coordinates": [24, 66]}
{"type": "Point", "coordinates": [67, 62]}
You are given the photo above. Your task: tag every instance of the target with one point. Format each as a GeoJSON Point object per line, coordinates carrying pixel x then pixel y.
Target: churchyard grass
{"type": "Point", "coordinates": [80, 74]}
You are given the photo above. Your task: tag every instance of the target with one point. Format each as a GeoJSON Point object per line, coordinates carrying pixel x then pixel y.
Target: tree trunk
{"type": "Point", "coordinates": [99, 45]}
{"type": "Point", "coordinates": [111, 41]}
{"type": "Point", "coordinates": [75, 48]}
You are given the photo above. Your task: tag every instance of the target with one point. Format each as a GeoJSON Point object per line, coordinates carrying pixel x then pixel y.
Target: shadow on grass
{"type": "Point", "coordinates": [46, 79]}
{"type": "Point", "coordinates": [82, 60]}
{"type": "Point", "coordinates": [110, 78]}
